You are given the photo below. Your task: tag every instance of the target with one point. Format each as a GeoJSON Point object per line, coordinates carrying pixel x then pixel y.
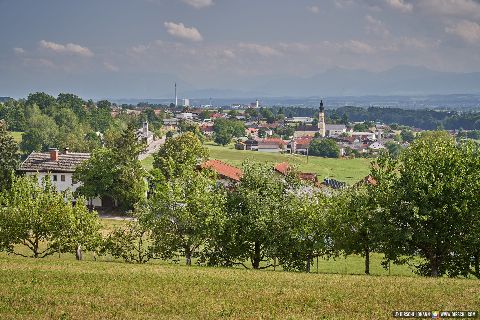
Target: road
{"type": "Point", "coordinates": [152, 148]}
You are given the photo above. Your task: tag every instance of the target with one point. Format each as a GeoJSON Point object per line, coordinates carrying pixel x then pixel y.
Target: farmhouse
{"type": "Point", "coordinates": [227, 174]}
{"type": "Point", "coordinates": [60, 167]}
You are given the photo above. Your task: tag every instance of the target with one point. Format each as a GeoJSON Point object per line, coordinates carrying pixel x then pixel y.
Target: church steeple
{"type": "Point", "coordinates": [321, 120]}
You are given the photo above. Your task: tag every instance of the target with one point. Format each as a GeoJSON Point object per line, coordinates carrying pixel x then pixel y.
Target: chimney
{"type": "Point", "coordinates": [53, 154]}
{"type": "Point", "coordinates": [66, 150]}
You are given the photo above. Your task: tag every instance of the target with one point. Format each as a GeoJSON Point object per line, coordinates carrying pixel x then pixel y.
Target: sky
{"type": "Point", "coordinates": [139, 48]}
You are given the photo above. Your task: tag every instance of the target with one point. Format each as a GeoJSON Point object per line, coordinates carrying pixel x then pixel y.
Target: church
{"type": "Point", "coordinates": [310, 130]}
{"type": "Point", "coordinates": [323, 130]}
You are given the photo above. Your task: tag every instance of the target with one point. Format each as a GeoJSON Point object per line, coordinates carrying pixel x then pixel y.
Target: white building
{"type": "Point", "coordinates": [334, 130]}
{"type": "Point", "coordinates": [60, 167]}
{"type": "Point", "coordinates": [185, 116]}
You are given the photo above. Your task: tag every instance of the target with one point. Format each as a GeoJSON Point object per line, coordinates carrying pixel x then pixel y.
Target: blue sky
{"type": "Point", "coordinates": [137, 48]}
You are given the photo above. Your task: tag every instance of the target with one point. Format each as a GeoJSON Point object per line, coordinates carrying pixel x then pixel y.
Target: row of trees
{"type": "Point", "coordinates": [68, 121]}
{"type": "Point", "coordinates": [420, 208]}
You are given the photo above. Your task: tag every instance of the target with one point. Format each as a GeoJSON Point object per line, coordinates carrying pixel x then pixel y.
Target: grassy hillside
{"type": "Point", "coordinates": [348, 170]}
{"type": "Point", "coordinates": [17, 136]}
{"type": "Point", "coordinates": [65, 289]}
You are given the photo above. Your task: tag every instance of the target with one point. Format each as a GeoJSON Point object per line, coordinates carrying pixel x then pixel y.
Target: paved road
{"type": "Point", "coordinates": [152, 148]}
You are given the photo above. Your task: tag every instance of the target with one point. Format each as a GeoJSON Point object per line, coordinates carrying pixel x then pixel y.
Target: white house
{"type": "Point", "coordinates": [60, 167]}
{"type": "Point", "coordinates": [334, 130]}
{"type": "Point", "coordinates": [376, 146]}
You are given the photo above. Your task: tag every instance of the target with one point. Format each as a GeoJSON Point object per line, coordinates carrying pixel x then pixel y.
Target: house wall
{"type": "Point", "coordinates": [300, 134]}
{"type": "Point", "coordinates": [62, 186]}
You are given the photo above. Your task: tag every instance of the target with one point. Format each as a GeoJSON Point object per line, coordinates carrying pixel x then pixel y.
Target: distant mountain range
{"type": "Point", "coordinates": [401, 80]}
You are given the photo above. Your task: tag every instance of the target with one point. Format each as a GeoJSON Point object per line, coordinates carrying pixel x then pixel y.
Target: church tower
{"type": "Point", "coordinates": [321, 120]}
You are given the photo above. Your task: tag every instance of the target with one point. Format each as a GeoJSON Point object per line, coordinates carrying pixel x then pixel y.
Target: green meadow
{"type": "Point", "coordinates": [347, 170]}
{"type": "Point", "coordinates": [58, 288]}
{"type": "Point", "coordinates": [17, 136]}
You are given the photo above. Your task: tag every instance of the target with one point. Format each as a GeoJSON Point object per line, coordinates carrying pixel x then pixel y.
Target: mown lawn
{"type": "Point", "coordinates": [347, 170]}
{"type": "Point", "coordinates": [66, 289]}
{"type": "Point", "coordinates": [17, 136]}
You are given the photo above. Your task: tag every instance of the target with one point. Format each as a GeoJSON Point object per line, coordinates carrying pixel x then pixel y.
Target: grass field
{"type": "Point", "coordinates": [348, 170]}
{"type": "Point", "coordinates": [66, 289]}
{"type": "Point", "coordinates": [17, 136]}
{"type": "Point", "coordinates": [58, 287]}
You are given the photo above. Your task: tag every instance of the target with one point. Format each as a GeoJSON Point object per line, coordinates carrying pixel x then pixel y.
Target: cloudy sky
{"type": "Point", "coordinates": [137, 48]}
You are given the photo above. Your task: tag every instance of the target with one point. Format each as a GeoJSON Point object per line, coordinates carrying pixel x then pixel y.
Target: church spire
{"type": "Point", "coordinates": [321, 120]}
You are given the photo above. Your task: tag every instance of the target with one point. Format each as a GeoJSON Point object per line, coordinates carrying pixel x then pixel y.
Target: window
{"type": "Point", "coordinates": [62, 178]}
{"type": "Point", "coordinates": [54, 177]}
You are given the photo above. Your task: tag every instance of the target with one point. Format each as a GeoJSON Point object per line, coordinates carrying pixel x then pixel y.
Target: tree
{"type": "Point", "coordinates": [223, 137]}
{"type": "Point", "coordinates": [8, 157]}
{"type": "Point", "coordinates": [43, 220]}
{"type": "Point", "coordinates": [44, 101]}
{"type": "Point", "coordinates": [179, 154]}
{"type": "Point", "coordinates": [394, 149]}
{"type": "Point", "coordinates": [225, 129]}
{"type": "Point", "coordinates": [104, 105]}
{"type": "Point", "coordinates": [252, 209]}
{"type": "Point", "coordinates": [354, 224]}
{"type": "Point", "coordinates": [327, 148]}
{"type": "Point", "coordinates": [41, 134]}
{"type": "Point", "coordinates": [132, 242]}
{"type": "Point", "coordinates": [431, 210]}
{"type": "Point", "coordinates": [115, 172]}
{"type": "Point", "coordinates": [300, 232]}
{"type": "Point", "coordinates": [184, 211]}
{"type": "Point", "coordinates": [407, 135]}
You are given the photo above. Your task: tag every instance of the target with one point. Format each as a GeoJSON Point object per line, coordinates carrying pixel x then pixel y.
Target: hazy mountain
{"type": "Point", "coordinates": [401, 80]}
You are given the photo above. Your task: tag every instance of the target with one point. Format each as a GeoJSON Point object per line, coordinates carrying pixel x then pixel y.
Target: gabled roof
{"type": "Point", "coordinates": [282, 168]}
{"type": "Point", "coordinates": [41, 162]}
{"type": "Point", "coordinates": [271, 142]}
{"type": "Point", "coordinates": [223, 170]}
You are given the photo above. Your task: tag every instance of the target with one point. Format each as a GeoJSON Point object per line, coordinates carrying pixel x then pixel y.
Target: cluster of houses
{"type": "Point", "coordinates": [260, 135]}
{"type": "Point", "coordinates": [59, 167]}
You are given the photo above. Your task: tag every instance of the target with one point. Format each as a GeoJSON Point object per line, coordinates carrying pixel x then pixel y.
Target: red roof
{"type": "Point", "coordinates": [224, 170]}
{"type": "Point", "coordinates": [217, 115]}
{"type": "Point", "coordinates": [276, 141]}
{"type": "Point", "coordinates": [206, 128]}
{"type": "Point", "coordinates": [282, 167]}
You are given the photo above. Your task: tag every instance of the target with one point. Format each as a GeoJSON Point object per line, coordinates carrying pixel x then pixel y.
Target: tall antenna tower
{"type": "Point", "coordinates": [176, 97]}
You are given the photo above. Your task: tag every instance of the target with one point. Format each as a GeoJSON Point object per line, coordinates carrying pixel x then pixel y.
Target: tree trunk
{"type": "Point", "coordinates": [256, 256]}
{"type": "Point", "coordinates": [188, 256]}
{"type": "Point", "coordinates": [434, 267]}
{"type": "Point", "coordinates": [367, 260]}
{"type": "Point", "coordinates": [309, 259]}
{"type": "Point", "coordinates": [476, 262]}
{"type": "Point", "coordinates": [79, 253]}
{"type": "Point", "coordinates": [35, 248]}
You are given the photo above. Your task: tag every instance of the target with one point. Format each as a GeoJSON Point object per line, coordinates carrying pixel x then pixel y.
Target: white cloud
{"type": "Point", "coordinates": [400, 5]}
{"type": "Point", "coordinates": [465, 8]}
{"type": "Point", "coordinates": [314, 9]}
{"type": "Point", "coordinates": [343, 3]}
{"type": "Point", "coordinates": [19, 50]}
{"type": "Point", "coordinates": [111, 67]}
{"type": "Point", "coordinates": [262, 50]}
{"type": "Point", "coordinates": [376, 26]}
{"type": "Point", "coordinates": [180, 31]}
{"type": "Point", "coordinates": [67, 48]}
{"type": "Point", "coordinates": [358, 47]}
{"type": "Point", "coordinates": [467, 30]}
{"type": "Point", "coordinates": [227, 53]}
{"type": "Point", "coordinates": [199, 3]}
